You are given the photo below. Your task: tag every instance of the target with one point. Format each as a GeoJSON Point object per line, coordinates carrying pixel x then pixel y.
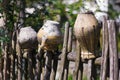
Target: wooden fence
{"type": "Point", "coordinates": [18, 66]}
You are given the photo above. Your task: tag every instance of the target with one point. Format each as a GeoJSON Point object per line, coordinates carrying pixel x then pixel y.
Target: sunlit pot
{"type": "Point", "coordinates": [87, 32]}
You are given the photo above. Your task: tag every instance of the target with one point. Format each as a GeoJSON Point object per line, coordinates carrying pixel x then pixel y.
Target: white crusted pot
{"type": "Point", "coordinates": [49, 35]}
{"type": "Point", "coordinates": [27, 38]}
{"type": "Point", "coordinates": [87, 32]}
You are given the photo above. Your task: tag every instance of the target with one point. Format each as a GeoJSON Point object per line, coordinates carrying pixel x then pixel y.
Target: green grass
{"type": "Point", "coordinates": [70, 77]}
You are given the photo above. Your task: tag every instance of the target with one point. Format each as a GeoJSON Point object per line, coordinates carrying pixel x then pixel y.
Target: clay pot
{"type": "Point", "coordinates": [27, 38]}
{"type": "Point", "coordinates": [87, 32]}
{"type": "Point", "coordinates": [49, 35]}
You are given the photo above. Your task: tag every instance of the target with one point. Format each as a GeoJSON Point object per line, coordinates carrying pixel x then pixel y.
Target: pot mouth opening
{"type": "Point", "coordinates": [88, 12]}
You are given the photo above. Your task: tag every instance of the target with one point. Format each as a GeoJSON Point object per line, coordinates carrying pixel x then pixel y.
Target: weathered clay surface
{"type": "Point", "coordinates": [49, 36]}
{"type": "Point", "coordinates": [27, 38]}
{"type": "Point", "coordinates": [87, 31]}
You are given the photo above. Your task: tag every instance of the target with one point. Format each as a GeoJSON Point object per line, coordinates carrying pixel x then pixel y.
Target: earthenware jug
{"type": "Point", "coordinates": [49, 35]}
{"type": "Point", "coordinates": [27, 38]}
{"type": "Point", "coordinates": [87, 32]}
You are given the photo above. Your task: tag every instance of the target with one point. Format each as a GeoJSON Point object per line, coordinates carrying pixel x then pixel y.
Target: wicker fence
{"type": "Point", "coordinates": [44, 67]}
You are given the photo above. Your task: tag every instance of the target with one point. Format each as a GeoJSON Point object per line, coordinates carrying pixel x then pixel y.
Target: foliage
{"type": "Point", "coordinates": [70, 77]}
{"type": "Point", "coordinates": [112, 13]}
{"type": "Point", "coordinates": [54, 10]}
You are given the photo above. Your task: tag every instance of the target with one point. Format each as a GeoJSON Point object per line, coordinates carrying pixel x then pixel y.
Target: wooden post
{"type": "Point", "coordinates": [113, 51]}
{"type": "Point", "coordinates": [64, 51]}
{"type": "Point", "coordinates": [68, 50]}
{"type": "Point", "coordinates": [43, 69]}
{"type": "Point", "coordinates": [91, 70]}
{"type": "Point", "coordinates": [1, 68]}
{"type": "Point", "coordinates": [54, 67]}
{"type": "Point", "coordinates": [19, 62]}
{"type": "Point", "coordinates": [25, 77]}
{"type": "Point", "coordinates": [30, 65]}
{"type": "Point", "coordinates": [70, 39]}
{"type": "Point", "coordinates": [5, 63]}
{"type": "Point", "coordinates": [39, 64]}
{"type": "Point", "coordinates": [48, 65]}
{"type": "Point", "coordinates": [13, 55]}
{"type": "Point", "coordinates": [89, 75]}
{"type": "Point", "coordinates": [104, 61]}
{"type": "Point", "coordinates": [78, 63]}
{"type": "Point", "coordinates": [21, 19]}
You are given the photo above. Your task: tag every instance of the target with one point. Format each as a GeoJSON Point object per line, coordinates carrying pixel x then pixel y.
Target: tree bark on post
{"type": "Point", "coordinates": [114, 71]}
{"type": "Point", "coordinates": [104, 61]}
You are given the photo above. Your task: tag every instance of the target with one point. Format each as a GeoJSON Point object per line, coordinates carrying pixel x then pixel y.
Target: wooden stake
{"type": "Point", "coordinates": [54, 68]}
{"type": "Point", "coordinates": [78, 64]}
{"type": "Point", "coordinates": [113, 51]}
{"type": "Point", "coordinates": [64, 51]}
{"type": "Point", "coordinates": [104, 61]}
{"type": "Point", "coordinates": [48, 65]}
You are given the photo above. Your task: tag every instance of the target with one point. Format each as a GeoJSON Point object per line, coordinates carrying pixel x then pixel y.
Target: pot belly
{"type": "Point", "coordinates": [86, 31]}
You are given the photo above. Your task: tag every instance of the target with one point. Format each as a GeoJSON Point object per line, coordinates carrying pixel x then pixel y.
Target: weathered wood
{"type": "Point", "coordinates": [43, 69]}
{"type": "Point", "coordinates": [70, 39]}
{"type": "Point", "coordinates": [39, 64]}
{"type": "Point", "coordinates": [64, 51]}
{"type": "Point", "coordinates": [91, 70]}
{"type": "Point", "coordinates": [8, 65]}
{"type": "Point", "coordinates": [25, 68]}
{"type": "Point", "coordinates": [48, 65]}
{"type": "Point", "coordinates": [113, 51]}
{"type": "Point", "coordinates": [54, 68]}
{"type": "Point", "coordinates": [5, 63]}
{"type": "Point", "coordinates": [68, 50]}
{"type": "Point", "coordinates": [19, 62]}
{"type": "Point", "coordinates": [89, 75]}
{"type": "Point", "coordinates": [21, 20]}
{"type": "Point", "coordinates": [12, 75]}
{"type": "Point", "coordinates": [66, 70]}
{"type": "Point", "coordinates": [30, 65]}
{"type": "Point", "coordinates": [78, 64]}
{"type": "Point", "coordinates": [104, 60]}
{"type": "Point", "coordinates": [1, 68]}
